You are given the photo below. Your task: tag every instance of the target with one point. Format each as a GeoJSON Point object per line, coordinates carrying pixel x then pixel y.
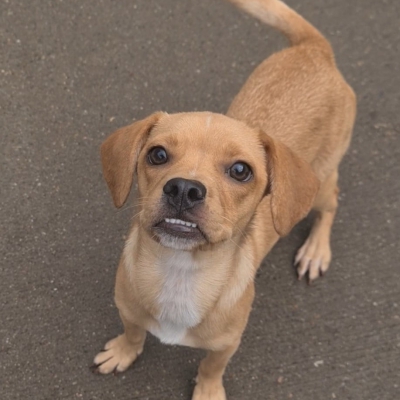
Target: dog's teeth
{"type": "Point", "coordinates": [180, 222]}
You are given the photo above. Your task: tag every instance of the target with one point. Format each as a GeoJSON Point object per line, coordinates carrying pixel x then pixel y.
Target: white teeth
{"type": "Point", "coordinates": [180, 222]}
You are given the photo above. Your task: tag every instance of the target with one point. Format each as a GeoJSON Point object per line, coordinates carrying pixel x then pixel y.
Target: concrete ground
{"type": "Point", "coordinates": [72, 72]}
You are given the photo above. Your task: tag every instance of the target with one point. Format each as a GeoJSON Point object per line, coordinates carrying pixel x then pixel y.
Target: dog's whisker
{"type": "Point", "coordinates": [137, 214]}
{"type": "Point", "coordinates": [124, 209]}
{"type": "Point", "coordinates": [236, 244]}
{"type": "Point", "coordinates": [231, 222]}
{"type": "Point", "coordinates": [139, 204]}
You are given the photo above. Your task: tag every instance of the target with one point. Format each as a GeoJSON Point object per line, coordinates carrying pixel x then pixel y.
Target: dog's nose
{"type": "Point", "coordinates": [184, 193]}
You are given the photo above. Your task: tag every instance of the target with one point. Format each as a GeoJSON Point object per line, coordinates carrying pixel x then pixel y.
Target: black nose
{"type": "Point", "coordinates": [184, 193]}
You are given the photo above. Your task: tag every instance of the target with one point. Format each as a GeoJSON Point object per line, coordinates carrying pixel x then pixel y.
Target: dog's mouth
{"type": "Point", "coordinates": [179, 228]}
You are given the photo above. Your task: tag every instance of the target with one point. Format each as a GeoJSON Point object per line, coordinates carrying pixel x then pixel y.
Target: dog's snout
{"type": "Point", "coordinates": [184, 193]}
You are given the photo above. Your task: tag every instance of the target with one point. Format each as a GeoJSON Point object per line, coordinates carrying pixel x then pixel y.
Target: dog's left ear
{"type": "Point", "coordinates": [292, 184]}
{"type": "Point", "coordinates": [119, 154]}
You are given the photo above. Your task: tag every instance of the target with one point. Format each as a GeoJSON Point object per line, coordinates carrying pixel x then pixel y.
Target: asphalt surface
{"type": "Point", "coordinates": [71, 73]}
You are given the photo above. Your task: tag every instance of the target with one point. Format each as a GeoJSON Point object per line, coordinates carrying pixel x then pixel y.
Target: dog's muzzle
{"type": "Point", "coordinates": [181, 198]}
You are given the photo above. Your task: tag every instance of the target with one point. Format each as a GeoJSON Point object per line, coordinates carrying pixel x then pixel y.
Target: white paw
{"type": "Point", "coordinates": [313, 257]}
{"type": "Point", "coordinates": [117, 356]}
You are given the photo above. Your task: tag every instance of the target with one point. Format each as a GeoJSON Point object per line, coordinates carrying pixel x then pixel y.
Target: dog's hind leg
{"type": "Point", "coordinates": [315, 254]}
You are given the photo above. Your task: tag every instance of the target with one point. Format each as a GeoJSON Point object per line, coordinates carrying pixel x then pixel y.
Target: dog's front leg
{"type": "Point", "coordinates": [119, 353]}
{"type": "Point", "coordinates": [209, 379]}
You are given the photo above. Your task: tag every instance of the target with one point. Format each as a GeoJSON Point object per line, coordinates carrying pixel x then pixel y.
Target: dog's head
{"type": "Point", "coordinates": [202, 175]}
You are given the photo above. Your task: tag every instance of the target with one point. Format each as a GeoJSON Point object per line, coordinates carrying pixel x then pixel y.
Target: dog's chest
{"type": "Point", "coordinates": [177, 299]}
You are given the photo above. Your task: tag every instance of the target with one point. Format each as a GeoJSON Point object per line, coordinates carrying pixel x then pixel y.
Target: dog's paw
{"type": "Point", "coordinates": [117, 356]}
{"type": "Point", "coordinates": [313, 257]}
{"type": "Point", "coordinates": [209, 391]}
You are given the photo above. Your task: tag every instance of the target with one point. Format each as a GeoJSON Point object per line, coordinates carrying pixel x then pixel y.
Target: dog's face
{"type": "Point", "coordinates": [199, 181]}
{"type": "Point", "coordinates": [201, 176]}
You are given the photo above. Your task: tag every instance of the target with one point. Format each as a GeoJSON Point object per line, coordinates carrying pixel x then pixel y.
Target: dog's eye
{"type": "Point", "coordinates": [240, 171]}
{"type": "Point", "coordinates": [157, 156]}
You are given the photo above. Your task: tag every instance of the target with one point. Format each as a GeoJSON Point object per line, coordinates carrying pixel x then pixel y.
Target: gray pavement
{"type": "Point", "coordinates": [72, 72]}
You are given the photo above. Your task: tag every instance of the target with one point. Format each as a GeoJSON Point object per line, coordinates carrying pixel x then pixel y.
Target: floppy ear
{"type": "Point", "coordinates": [292, 184]}
{"type": "Point", "coordinates": [119, 155]}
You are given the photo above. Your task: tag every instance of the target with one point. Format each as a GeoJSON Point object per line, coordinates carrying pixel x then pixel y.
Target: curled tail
{"type": "Point", "coordinates": [280, 16]}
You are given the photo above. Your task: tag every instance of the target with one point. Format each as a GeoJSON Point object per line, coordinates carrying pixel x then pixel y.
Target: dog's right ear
{"type": "Point", "coordinates": [119, 155]}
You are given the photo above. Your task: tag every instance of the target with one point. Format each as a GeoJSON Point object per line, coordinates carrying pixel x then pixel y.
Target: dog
{"type": "Point", "coordinates": [216, 192]}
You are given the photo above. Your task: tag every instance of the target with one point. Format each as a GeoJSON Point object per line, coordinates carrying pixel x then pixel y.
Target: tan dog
{"type": "Point", "coordinates": [215, 193]}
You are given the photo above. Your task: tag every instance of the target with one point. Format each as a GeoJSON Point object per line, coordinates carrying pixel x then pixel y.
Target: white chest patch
{"type": "Point", "coordinates": [177, 299]}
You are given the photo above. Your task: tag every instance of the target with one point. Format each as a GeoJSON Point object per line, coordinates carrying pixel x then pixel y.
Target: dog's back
{"type": "Point", "coordinates": [297, 95]}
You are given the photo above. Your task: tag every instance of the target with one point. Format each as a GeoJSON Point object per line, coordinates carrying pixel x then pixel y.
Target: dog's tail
{"type": "Point", "coordinates": [280, 16]}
